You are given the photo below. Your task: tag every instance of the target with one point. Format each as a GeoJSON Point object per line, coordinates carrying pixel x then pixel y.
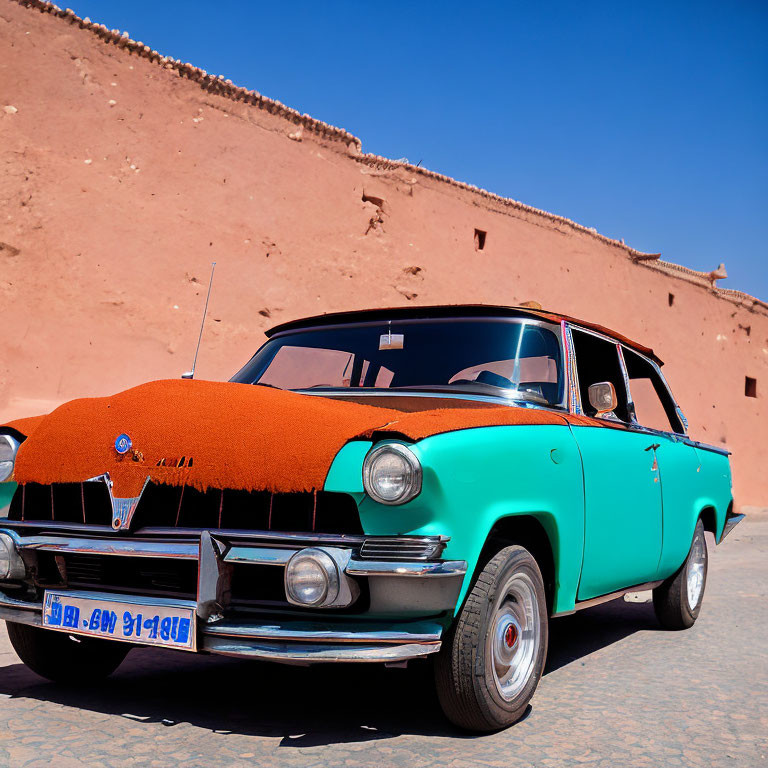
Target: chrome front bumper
{"type": "Point", "coordinates": [426, 587]}
{"type": "Point", "coordinates": [289, 641]}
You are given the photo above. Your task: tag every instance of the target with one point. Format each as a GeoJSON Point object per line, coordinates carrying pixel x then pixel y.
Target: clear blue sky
{"type": "Point", "coordinates": [647, 121]}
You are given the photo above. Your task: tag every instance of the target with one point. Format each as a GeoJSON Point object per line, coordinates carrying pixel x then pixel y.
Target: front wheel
{"type": "Point", "coordinates": [677, 601]}
{"type": "Point", "coordinates": [493, 657]}
{"type": "Point", "coordinates": [65, 658]}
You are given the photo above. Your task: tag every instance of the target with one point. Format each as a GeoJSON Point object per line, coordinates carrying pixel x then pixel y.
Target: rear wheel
{"type": "Point", "coordinates": [65, 658]}
{"type": "Point", "coordinates": [677, 601]}
{"type": "Point", "coordinates": [493, 657]}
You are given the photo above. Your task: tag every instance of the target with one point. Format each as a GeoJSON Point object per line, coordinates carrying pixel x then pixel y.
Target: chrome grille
{"type": "Point", "coordinates": [403, 548]}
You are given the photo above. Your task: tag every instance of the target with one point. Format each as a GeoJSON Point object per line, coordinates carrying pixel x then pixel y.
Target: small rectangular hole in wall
{"type": "Point", "coordinates": [671, 298]}
{"type": "Point", "coordinates": [480, 239]}
{"type": "Point", "coordinates": [750, 386]}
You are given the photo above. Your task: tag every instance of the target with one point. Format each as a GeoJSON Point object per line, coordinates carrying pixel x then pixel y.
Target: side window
{"type": "Point", "coordinates": [597, 360]}
{"type": "Point", "coordinates": [654, 407]}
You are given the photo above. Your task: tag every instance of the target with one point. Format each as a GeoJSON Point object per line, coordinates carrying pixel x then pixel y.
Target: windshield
{"type": "Point", "coordinates": [514, 359]}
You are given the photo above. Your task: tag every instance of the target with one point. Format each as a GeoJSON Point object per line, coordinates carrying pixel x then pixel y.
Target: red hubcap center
{"type": "Point", "coordinates": [510, 636]}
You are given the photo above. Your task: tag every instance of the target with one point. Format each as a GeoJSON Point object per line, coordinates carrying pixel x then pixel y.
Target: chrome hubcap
{"type": "Point", "coordinates": [515, 635]}
{"type": "Point", "coordinates": [695, 570]}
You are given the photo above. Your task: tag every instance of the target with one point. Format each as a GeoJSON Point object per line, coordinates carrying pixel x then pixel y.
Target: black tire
{"type": "Point", "coordinates": [63, 658]}
{"type": "Point", "coordinates": [671, 599]}
{"type": "Point", "coordinates": [468, 684]}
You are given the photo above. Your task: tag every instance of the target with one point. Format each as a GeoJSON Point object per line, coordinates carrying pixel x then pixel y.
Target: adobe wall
{"type": "Point", "coordinates": [123, 174]}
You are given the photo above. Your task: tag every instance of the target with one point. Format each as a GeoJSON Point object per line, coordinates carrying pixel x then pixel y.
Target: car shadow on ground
{"type": "Point", "coordinates": [303, 706]}
{"type": "Point", "coordinates": [576, 636]}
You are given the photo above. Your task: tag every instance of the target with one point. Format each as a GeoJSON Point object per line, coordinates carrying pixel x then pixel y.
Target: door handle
{"type": "Point", "coordinates": [653, 447]}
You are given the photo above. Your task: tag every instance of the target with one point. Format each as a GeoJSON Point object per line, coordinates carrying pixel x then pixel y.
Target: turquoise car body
{"type": "Point", "coordinates": [607, 530]}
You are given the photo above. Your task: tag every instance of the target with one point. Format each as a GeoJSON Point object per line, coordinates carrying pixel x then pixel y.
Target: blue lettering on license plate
{"type": "Point", "coordinates": [111, 619]}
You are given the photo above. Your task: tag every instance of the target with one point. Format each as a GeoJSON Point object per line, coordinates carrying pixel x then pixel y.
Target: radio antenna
{"type": "Point", "coordinates": [191, 374]}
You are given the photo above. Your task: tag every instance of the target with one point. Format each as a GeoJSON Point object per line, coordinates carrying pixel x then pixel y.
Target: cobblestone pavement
{"type": "Point", "coordinates": [618, 692]}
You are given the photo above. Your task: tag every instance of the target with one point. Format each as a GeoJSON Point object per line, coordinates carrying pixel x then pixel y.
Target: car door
{"type": "Point", "coordinates": [653, 409]}
{"type": "Point", "coordinates": [622, 489]}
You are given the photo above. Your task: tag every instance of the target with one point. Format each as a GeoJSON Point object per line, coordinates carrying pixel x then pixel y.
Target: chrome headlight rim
{"type": "Point", "coordinates": [332, 577]}
{"type": "Point", "coordinates": [11, 446]}
{"type": "Point", "coordinates": [12, 567]}
{"type": "Point", "coordinates": [415, 479]}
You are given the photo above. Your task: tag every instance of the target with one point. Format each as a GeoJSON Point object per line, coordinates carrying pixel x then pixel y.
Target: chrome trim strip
{"type": "Point", "coordinates": [236, 554]}
{"type": "Point", "coordinates": [625, 379]}
{"type": "Point", "coordinates": [52, 525]}
{"type": "Point", "coordinates": [308, 653]}
{"type": "Point", "coordinates": [261, 555]}
{"type": "Point", "coordinates": [115, 597]}
{"type": "Point", "coordinates": [571, 373]}
{"type": "Point", "coordinates": [31, 615]}
{"type": "Point", "coordinates": [233, 534]}
{"type": "Point", "coordinates": [13, 602]}
{"type": "Point", "coordinates": [303, 633]}
{"type": "Point", "coordinates": [707, 447]}
{"type": "Point", "coordinates": [119, 547]}
{"type": "Point", "coordinates": [593, 601]}
{"type": "Point", "coordinates": [349, 539]}
{"type": "Point", "coordinates": [731, 521]}
{"type": "Point", "coordinates": [383, 568]}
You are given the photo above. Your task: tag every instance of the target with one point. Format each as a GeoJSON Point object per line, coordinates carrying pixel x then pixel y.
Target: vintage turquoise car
{"type": "Point", "coordinates": [373, 486]}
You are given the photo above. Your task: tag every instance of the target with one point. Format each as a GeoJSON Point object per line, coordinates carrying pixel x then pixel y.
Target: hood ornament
{"type": "Point", "coordinates": [123, 444]}
{"type": "Point", "coordinates": [122, 511]}
{"type": "Point", "coordinates": [122, 507]}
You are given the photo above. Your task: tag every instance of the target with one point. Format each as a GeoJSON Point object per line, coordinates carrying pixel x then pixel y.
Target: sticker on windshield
{"type": "Point", "coordinates": [391, 341]}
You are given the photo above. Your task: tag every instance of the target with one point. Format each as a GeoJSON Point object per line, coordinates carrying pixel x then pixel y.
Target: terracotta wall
{"type": "Point", "coordinates": [123, 177]}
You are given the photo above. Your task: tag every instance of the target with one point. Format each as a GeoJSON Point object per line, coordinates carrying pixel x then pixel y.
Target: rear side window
{"type": "Point", "coordinates": [654, 407]}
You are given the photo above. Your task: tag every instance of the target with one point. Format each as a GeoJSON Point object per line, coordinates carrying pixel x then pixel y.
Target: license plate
{"type": "Point", "coordinates": [155, 622]}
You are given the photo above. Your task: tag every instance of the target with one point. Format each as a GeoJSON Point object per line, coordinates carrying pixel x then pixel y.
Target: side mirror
{"type": "Point", "coordinates": [602, 397]}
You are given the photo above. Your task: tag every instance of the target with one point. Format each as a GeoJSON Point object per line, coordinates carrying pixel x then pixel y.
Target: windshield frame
{"type": "Point", "coordinates": [449, 393]}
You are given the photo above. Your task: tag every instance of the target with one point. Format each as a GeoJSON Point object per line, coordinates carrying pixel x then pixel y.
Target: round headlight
{"type": "Point", "coordinates": [392, 474]}
{"type": "Point", "coordinates": [8, 448]}
{"type": "Point", "coordinates": [11, 564]}
{"type": "Point", "coordinates": [311, 578]}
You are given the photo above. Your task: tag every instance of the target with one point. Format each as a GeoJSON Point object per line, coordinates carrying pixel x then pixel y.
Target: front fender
{"type": "Point", "coordinates": [474, 478]}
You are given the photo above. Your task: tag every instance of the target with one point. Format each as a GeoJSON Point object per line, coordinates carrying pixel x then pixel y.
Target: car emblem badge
{"type": "Point", "coordinates": [123, 444]}
{"type": "Point", "coordinates": [122, 511]}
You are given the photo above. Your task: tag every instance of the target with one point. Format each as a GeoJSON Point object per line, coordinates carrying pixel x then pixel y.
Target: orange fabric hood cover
{"type": "Point", "coordinates": [230, 436]}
